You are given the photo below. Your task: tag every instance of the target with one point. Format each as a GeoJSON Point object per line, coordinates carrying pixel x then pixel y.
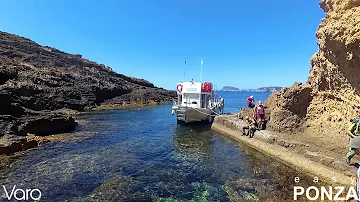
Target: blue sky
{"type": "Point", "coordinates": [246, 44]}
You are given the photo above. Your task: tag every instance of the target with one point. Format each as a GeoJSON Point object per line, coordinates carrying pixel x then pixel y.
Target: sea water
{"type": "Point", "coordinates": [142, 154]}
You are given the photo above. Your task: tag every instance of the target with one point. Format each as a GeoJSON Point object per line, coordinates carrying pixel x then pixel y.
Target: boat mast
{"type": "Point", "coordinates": [201, 67]}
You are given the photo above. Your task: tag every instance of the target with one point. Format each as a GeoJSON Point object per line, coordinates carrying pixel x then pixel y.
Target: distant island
{"type": "Point", "coordinates": [262, 89]}
{"type": "Point", "coordinates": [229, 88]}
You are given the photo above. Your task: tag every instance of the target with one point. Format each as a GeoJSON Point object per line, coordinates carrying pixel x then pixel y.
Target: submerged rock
{"type": "Point", "coordinates": [255, 190]}
{"type": "Point", "coordinates": [117, 188]}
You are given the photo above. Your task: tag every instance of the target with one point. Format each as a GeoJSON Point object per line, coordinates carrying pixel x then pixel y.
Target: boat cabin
{"type": "Point", "coordinates": [195, 94]}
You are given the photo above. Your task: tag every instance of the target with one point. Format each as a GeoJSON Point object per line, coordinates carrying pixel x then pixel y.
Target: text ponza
{"type": "Point", "coordinates": [332, 193]}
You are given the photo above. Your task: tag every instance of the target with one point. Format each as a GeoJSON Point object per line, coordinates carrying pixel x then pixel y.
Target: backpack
{"type": "Point", "coordinates": [357, 125]}
{"type": "Point", "coordinates": [355, 120]}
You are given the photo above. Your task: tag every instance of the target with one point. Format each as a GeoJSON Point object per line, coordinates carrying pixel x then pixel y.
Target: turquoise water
{"type": "Point", "coordinates": [143, 155]}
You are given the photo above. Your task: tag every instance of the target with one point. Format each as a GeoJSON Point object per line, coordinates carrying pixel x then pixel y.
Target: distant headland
{"type": "Point", "coordinates": [262, 89]}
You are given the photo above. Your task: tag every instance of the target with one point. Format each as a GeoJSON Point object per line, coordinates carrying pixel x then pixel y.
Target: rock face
{"type": "Point", "coordinates": [36, 81]}
{"type": "Point", "coordinates": [288, 108]}
{"type": "Point", "coordinates": [324, 105]}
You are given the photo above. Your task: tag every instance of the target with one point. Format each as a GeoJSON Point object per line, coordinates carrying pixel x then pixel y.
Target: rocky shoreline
{"type": "Point", "coordinates": [40, 87]}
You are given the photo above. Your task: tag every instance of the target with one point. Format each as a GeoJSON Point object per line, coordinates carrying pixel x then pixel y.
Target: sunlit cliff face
{"type": "Point", "coordinates": [330, 97]}
{"type": "Point", "coordinates": [336, 65]}
{"type": "Point", "coordinates": [335, 72]}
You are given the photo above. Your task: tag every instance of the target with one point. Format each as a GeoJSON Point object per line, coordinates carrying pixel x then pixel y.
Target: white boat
{"type": "Point", "coordinates": [196, 101]}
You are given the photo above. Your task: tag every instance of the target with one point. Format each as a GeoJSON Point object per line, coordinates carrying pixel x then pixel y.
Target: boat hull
{"type": "Point", "coordinates": [188, 114]}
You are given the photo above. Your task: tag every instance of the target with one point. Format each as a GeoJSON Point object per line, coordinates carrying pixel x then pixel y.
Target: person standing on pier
{"type": "Point", "coordinates": [210, 103]}
{"type": "Point", "coordinates": [354, 146]}
{"type": "Point", "coordinates": [221, 105]}
{"type": "Point", "coordinates": [250, 101]}
{"type": "Point", "coordinates": [259, 112]}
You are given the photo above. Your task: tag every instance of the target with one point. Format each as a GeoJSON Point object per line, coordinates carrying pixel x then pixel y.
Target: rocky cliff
{"type": "Point", "coordinates": [324, 104]}
{"type": "Point", "coordinates": [36, 81]}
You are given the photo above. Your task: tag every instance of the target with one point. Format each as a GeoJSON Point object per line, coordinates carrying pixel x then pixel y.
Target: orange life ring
{"type": "Point", "coordinates": [179, 88]}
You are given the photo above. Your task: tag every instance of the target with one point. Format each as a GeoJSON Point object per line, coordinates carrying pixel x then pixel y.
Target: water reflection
{"type": "Point", "coordinates": [193, 141]}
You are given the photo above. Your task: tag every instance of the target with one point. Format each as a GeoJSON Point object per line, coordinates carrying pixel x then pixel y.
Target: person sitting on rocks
{"type": "Point", "coordinates": [354, 146]}
{"type": "Point", "coordinates": [251, 127]}
{"type": "Point", "coordinates": [239, 115]}
{"type": "Point", "coordinates": [250, 101]}
{"type": "Point", "coordinates": [259, 113]}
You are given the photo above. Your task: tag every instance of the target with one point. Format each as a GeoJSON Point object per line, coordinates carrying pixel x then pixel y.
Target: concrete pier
{"type": "Point", "coordinates": [301, 156]}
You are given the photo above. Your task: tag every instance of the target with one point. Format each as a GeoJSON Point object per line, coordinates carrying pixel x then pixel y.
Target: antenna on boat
{"type": "Point", "coordinates": [184, 69]}
{"type": "Point", "coordinates": [202, 62]}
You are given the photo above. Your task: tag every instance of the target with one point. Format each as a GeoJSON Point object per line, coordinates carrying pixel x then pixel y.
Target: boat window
{"type": "Point", "coordinates": [191, 98]}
